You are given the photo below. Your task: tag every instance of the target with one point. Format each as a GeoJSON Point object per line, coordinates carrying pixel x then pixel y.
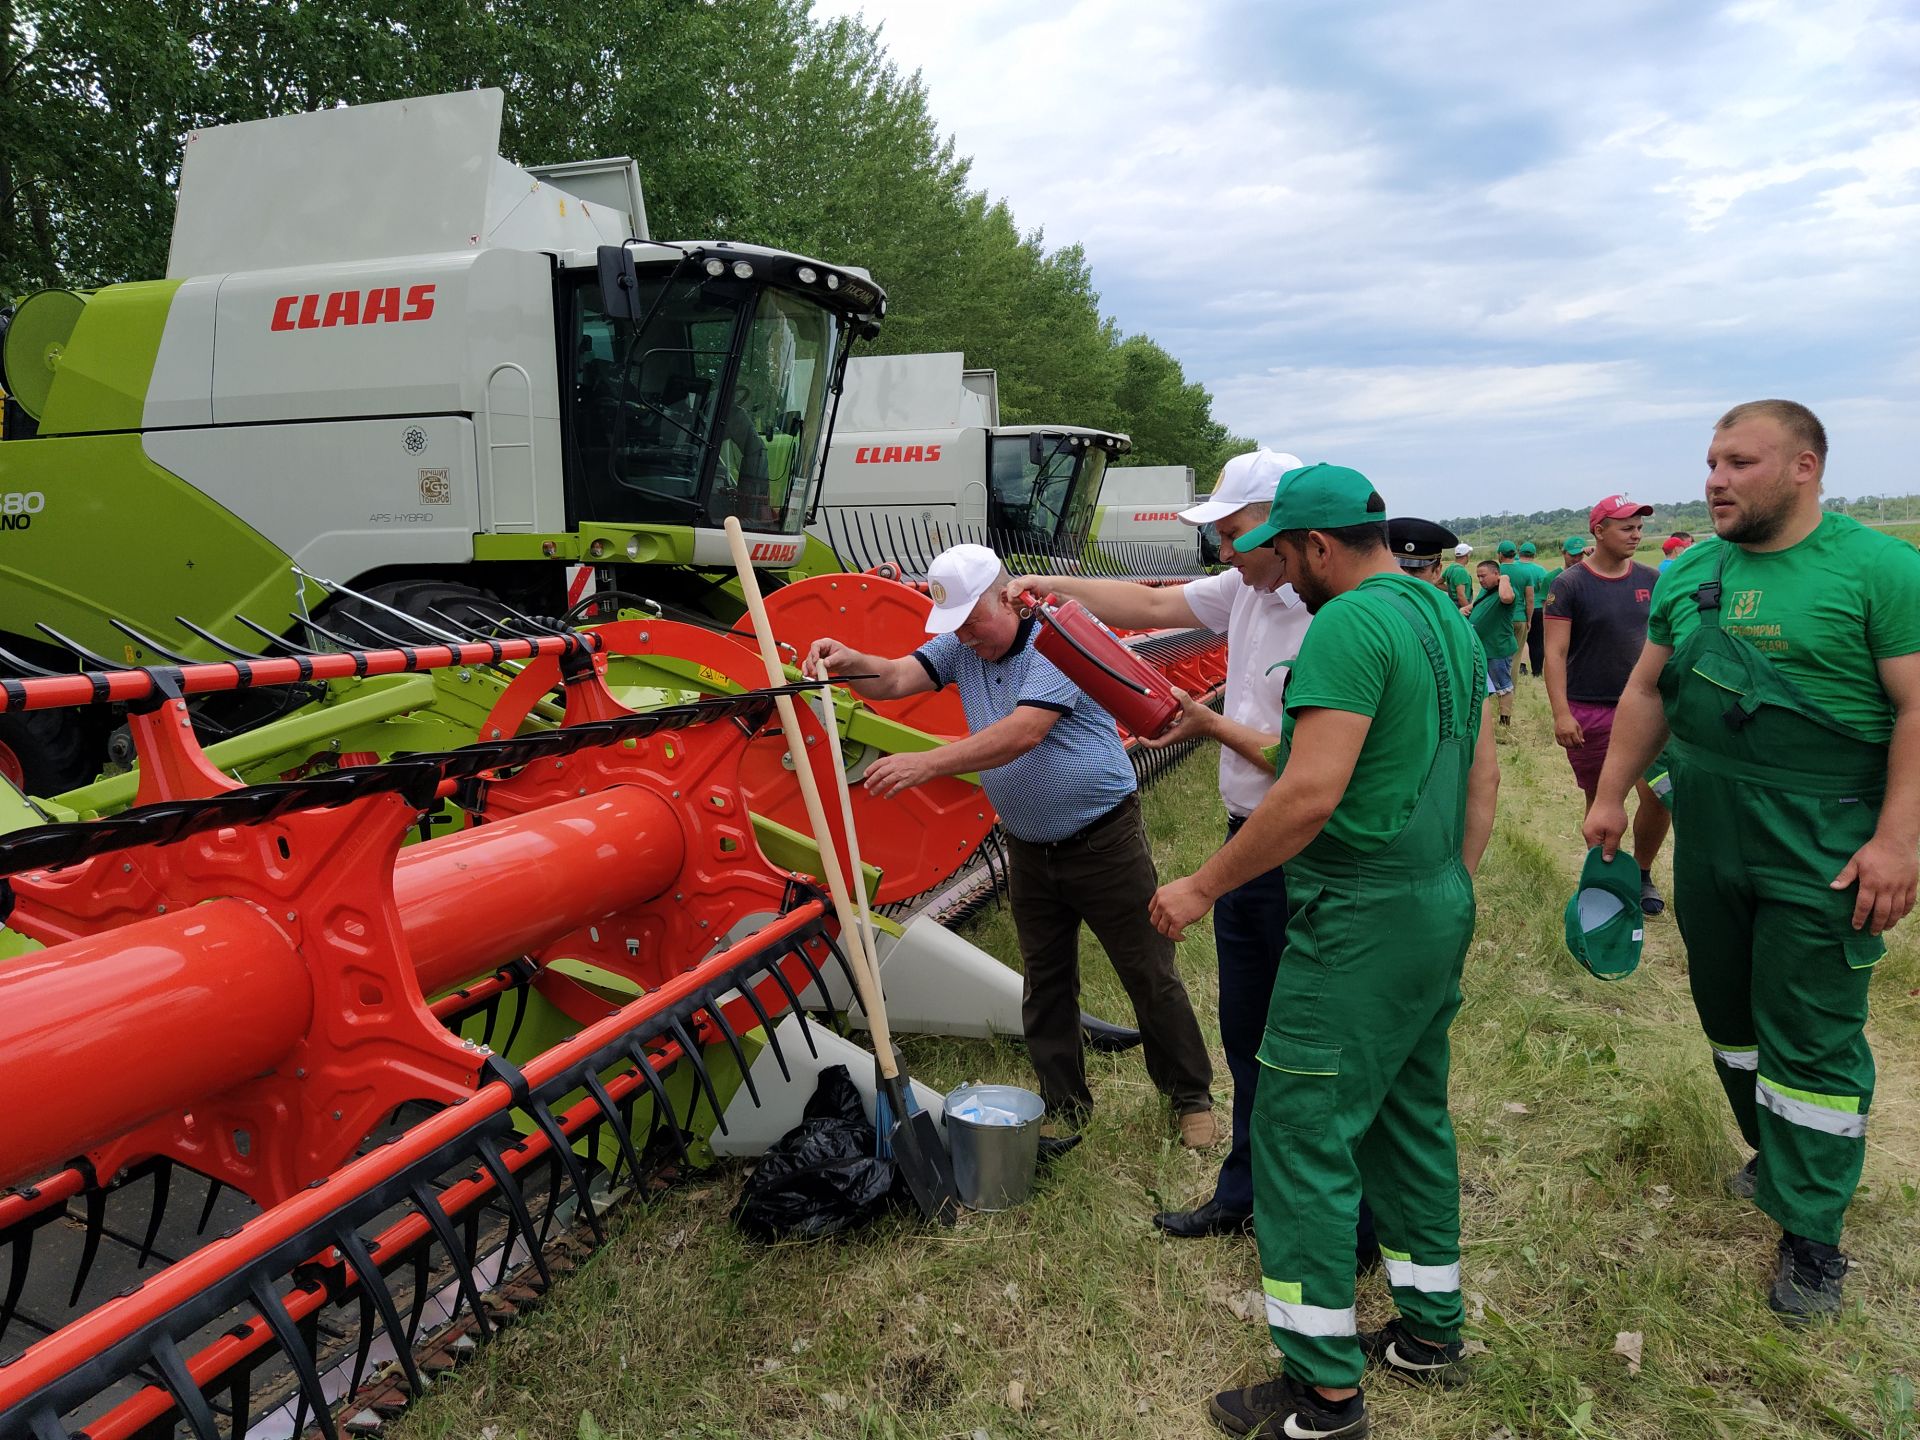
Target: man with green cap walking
{"type": "Point", "coordinates": [1536, 637]}
{"type": "Point", "coordinates": [1521, 577]}
{"type": "Point", "coordinates": [1380, 750]}
{"type": "Point", "coordinates": [1783, 660]}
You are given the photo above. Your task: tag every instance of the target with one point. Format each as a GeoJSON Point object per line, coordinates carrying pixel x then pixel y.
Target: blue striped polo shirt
{"type": "Point", "coordinates": [1072, 777]}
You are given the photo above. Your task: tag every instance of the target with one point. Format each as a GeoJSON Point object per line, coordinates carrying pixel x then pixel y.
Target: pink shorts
{"type": "Point", "coordinates": [1596, 723]}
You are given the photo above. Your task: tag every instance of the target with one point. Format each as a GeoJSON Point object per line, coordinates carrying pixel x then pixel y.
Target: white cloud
{"type": "Point", "coordinates": [1392, 217]}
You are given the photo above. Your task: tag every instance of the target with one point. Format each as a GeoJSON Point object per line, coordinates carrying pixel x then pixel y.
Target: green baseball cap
{"type": "Point", "coordinates": [1317, 497]}
{"type": "Point", "coordinates": [1574, 545]}
{"type": "Point", "coordinates": [1604, 927]}
{"type": "Point", "coordinates": [1508, 549]}
{"type": "Point", "coordinates": [1528, 548]}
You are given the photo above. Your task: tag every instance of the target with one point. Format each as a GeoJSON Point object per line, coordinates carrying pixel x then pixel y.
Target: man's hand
{"type": "Point", "coordinates": [1887, 873]}
{"type": "Point", "coordinates": [1176, 905]}
{"type": "Point", "coordinates": [1606, 823]}
{"type": "Point", "coordinates": [891, 774]}
{"type": "Point", "coordinates": [1567, 733]}
{"type": "Point", "coordinates": [1036, 586]}
{"type": "Point", "coordinates": [1194, 722]}
{"type": "Point", "coordinates": [827, 656]}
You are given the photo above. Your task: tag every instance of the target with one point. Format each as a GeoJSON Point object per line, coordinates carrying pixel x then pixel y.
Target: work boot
{"type": "Point", "coordinates": [1652, 902]}
{"type": "Point", "coordinates": [1288, 1409]}
{"type": "Point", "coordinates": [1398, 1351]}
{"type": "Point", "coordinates": [1204, 1221]}
{"type": "Point", "coordinates": [1806, 1280]}
{"type": "Point", "coordinates": [1743, 1182]}
{"type": "Point", "coordinates": [1198, 1129]}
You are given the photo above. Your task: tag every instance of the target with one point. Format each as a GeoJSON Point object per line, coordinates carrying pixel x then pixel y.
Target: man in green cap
{"type": "Point", "coordinates": [1573, 550]}
{"type": "Point", "coordinates": [1783, 660]}
{"type": "Point", "coordinates": [1536, 640]}
{"type": "Point", "coordinates": [1382, 763]}
{"type": "Point", "coordinates": [1521, 577]}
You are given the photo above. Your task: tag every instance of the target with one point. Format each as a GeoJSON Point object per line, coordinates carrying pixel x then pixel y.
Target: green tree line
{"type": "Point", "coordinates": [1547, 528]}
{"type": "Point", "coordinates": [750, 120]}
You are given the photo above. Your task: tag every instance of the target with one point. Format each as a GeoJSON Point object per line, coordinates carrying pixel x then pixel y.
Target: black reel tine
{"type": "Point", "coordinates": [98, 662]}
{"type": "Point", "coordinates": [554, 1176]}
{"type": "Point", "coordinates": [819, 981]}
{"type": "Point", "coordinates": [206, 1210]}
{"type": "Point", "coordinates": [150, 643]}
{"type": "Point", "coordinates": [422, 1263]}
{"type": "Point", "coordinates": [162, 1188]}
{"type": "Point", "coordinates": [47, 1426]}
{"type": "Point", "coordinates": [766, 1025]}
{"type": "Point", "coordinates": [292, 646]}
{"type": "Point", "coordinates": [214, 640]}
{"type": "Point", "coordinates": [508, 1185]}
{"type": "Point", "coordinates": [621, 1135]}
{"type": "Point", "coordinates": [298, 1354]}
{"type": "Point", "coordinates": [27, 667]}
{"type": "Point", "coordinates": [733, 1044]}
{"type": "Point", "coordinates": [690, 1049]}
{"type": "Point", "coordinates": [563, 1149]}
{"type": "Point", "coordinates": [489, 1018]}
{"type": "Point", "coordinates": [349, 646]}
{"type": "Point", "coordinates": [240, 1399]}
{"type": "Point", "coordinates": [90, 1247]}
{"type": "Point", "coordinates": [354, 1250]}
{"type": "Point", "coordinates": [519, 1014]}
{"type": "Point", "coordinates": [662, 1104]}
{"type": "Point", "coordinates": [436, 1216]}
{"type": "Point", "coordinates": [793, 1001]}
{"type": "Point", "coordinates": [363, 1347]}
{"type": "Point", "coordinates": [173, 1374]}
{"type": "Point", "coordinates": [22, 1248]}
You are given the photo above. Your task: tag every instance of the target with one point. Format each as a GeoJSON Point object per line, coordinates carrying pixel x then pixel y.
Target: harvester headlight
{"type": "Point", "coordinates": [833, 281]}
{"type": "Point", "coordinates": [597, 549]}
{"type": "Point", "coordinates": [743, 270]}
{"type": "Point", "coordinates": [633, 547]}
{"type": "Point", "coordinates": [807, 274]}
{"type": "Point", "coordinates": [716, 267]}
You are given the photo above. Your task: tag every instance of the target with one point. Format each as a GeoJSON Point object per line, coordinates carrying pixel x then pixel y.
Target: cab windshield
{"type": "Point", "coordinates": [712, 404]}
{"type": "Point", "coordinates": [1050, 503]}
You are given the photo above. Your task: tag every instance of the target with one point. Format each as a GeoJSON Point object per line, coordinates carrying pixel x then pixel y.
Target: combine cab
{"type": "Point", "coordinates": [1138, 530]}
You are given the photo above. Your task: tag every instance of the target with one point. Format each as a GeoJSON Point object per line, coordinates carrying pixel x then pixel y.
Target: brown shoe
{"type": "Point", "coordinates": [1198, 1129]}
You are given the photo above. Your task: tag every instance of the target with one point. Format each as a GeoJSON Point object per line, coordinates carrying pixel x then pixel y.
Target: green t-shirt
{"type": "Point", "coordinates": [1360, 655]}
{"type": "Point", "coordinates": [1493, 622]}
{"type": "Point", "coordinates": [1454, 578]}
{"type": "Point", "coordinates": [1521, 574]}
{"type": "Point", "coordinates": [1824, 610]}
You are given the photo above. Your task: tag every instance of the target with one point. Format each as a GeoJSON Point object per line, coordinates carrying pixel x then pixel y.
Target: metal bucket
{"type": "Point", "coordinates": [993, 1162]}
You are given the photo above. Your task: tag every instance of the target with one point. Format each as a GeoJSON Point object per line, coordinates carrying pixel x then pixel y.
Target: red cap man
{"type": "Point", "coordinates": [1615, 507]}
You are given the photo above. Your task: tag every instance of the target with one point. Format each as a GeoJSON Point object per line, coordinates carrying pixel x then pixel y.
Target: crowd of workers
{"type": "Point", "coordinates": [1768, 679]}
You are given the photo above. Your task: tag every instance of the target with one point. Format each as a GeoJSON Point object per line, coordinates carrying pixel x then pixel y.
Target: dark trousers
{"type": "Point", "coordinates": [1249, 934]}
{"type": "Point", "coordinates": [1105, 877]}
{"type": "Point", "coordinates": [1537, 643]}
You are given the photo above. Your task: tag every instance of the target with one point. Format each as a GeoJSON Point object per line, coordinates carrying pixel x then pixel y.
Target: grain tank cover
{"type": "Point", "coordinates": [916, 392]}
{"type": "Point", "coordinates": [374, 182]}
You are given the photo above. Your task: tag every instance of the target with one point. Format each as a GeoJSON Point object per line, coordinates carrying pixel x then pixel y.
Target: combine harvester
{"type": "Point", "coordinates": [370, 933]}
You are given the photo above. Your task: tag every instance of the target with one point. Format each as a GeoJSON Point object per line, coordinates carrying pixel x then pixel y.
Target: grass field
{"type": "Point", "coordinates": [1593, 1144]}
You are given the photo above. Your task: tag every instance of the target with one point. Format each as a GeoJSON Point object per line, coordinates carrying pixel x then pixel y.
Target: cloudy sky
{"type": "Point", "coordinates": [1499, 255]}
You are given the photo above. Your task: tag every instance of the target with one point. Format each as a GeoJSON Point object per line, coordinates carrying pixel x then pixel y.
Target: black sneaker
{"type": "Point", "coordinates": [1806, 1280]}
{"type": "Point", "coordinates": [1743, 1182]}
{"type": "Point", "coordinates": [1395, 1349]}
{"type": "Point", "coordinates": [1288, 1409]}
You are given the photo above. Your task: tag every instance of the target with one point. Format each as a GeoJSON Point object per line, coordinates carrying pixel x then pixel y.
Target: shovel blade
{"type": "Point", "coordinates": [925, 1166]}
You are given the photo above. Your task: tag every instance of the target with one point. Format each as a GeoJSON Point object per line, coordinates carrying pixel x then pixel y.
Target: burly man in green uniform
{"type": "Point", "coordinates": [1783, 659]}
{"type": "Point", "coordinates": [1384, 775]}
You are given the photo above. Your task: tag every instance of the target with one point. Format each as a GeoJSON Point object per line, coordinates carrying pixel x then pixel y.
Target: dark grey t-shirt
{"type": "Point", "coordinates": [1609, 620]}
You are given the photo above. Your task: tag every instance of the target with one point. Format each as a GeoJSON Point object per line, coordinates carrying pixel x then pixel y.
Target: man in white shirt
{"type": "Point", "coordinates": [1263, 621]}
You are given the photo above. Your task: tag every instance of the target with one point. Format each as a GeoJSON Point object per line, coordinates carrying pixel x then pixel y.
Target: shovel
{"type": "Point", "coordinates": [923, 1160]}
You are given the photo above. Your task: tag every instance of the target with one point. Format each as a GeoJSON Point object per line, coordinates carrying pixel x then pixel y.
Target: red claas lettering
{"type": "Point", "coordinates": [351, 307]}
{"type": "Point", "coordinates": [895, 454]}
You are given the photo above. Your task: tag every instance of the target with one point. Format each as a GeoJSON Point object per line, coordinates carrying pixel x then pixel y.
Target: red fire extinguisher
{"type": "Point", "coordinates": [1091, 655]}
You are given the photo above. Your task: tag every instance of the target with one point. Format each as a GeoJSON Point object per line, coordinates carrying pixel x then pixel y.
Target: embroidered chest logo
{"type": "Point", "coordinates": [1641, 597]}
{"type": "Point", "coordinates": [1746, 604]}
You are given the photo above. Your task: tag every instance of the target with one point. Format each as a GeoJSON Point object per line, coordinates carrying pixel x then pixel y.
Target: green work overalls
{"type": "Point", "coordinates": [1771, 797]}
{"type": "Point", "coordinates": [1353, 1079]}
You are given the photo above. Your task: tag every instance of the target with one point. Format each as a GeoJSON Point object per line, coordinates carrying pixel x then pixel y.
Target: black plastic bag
{"type": "Point", "coordinates": [822, 1176]}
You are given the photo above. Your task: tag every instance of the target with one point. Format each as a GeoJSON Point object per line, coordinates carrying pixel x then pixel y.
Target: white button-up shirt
{"type": "Point", "coordinates": [1263, 635]}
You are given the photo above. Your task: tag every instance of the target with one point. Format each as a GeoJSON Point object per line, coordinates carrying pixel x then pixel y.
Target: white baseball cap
{"type": "Point", "coordinates": [1248, 479]}
{"type": "Point", "coordinates": [1462, 550]}
{"type": "Point", "coordinates": [956, 580]}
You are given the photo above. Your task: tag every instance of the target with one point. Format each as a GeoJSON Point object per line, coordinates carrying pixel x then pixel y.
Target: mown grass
{"type": "Point", "coordinates": [1593, 1144]}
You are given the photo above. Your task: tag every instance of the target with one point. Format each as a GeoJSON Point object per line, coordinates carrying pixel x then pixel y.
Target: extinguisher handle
{"type": "Point", "coordinates": [1097, 663]}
